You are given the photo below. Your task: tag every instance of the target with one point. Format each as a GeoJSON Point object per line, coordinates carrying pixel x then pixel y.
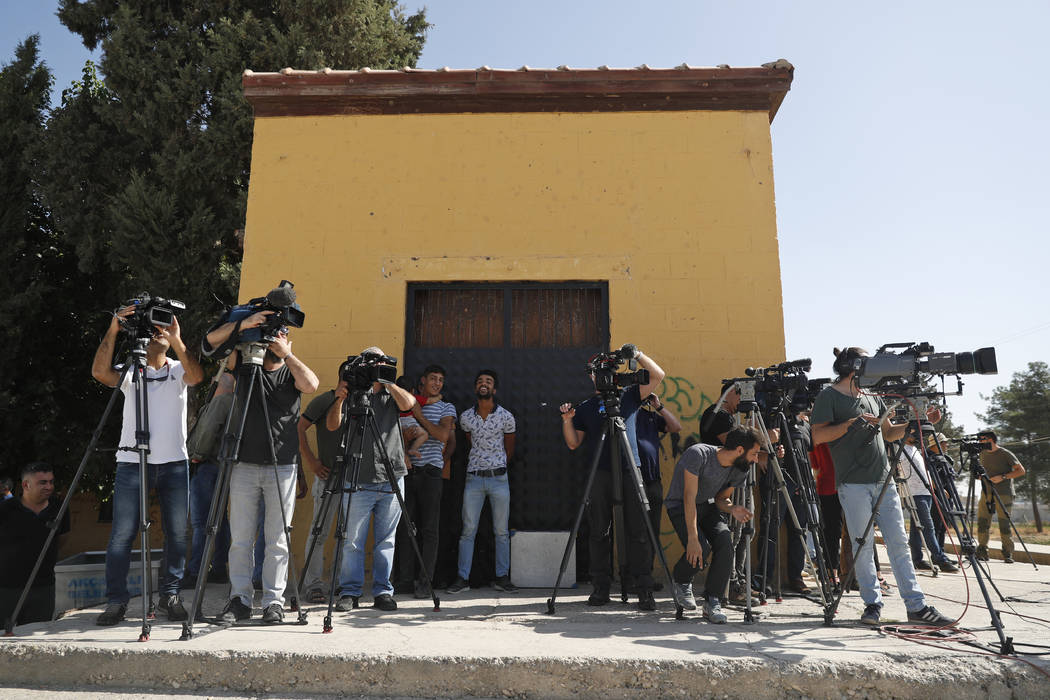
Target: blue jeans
{"type": "Point", "coordinates": [858, 501]}
{"type": "Point", "coordinates": [497, 490]}
{"type": "Point", "coordinates": [923, 508]}
{"type": "Point", "coordinates": [380, 503]}
{"type": "Point", "coordinates": [172, 483]}
{"type": "Point", "coordinates": [202, 487]}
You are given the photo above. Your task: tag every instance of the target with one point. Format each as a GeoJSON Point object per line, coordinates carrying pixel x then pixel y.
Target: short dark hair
{"type": "Point", "coordinates": [434, 369]}
{"type": "Point", "coordinates": [35, 468]}
{"type": "Point", "coordinates": [989, 434]}
{"type": "Point", "coordinates": [7, 484]}
{"type": "Point", "coordinates": [742, 437]}
{"type": "Point", "coordinates": [488, 373]}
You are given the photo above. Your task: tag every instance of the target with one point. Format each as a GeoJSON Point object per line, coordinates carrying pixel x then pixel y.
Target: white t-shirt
{"type": "Point", "coordinates": [913, 468]}
{"type": "Point", "coordinates": [166, 399]}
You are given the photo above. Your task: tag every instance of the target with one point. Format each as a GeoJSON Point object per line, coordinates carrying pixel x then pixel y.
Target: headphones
{"type": "Point", "coordinates": [844, 361]}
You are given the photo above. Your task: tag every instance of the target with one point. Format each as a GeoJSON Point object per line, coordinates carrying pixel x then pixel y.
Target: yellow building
{"type": "Point", "coordinates": [522, 220]}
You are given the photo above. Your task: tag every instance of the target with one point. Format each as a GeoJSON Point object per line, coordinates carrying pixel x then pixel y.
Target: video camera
{"type": "Point", "coordinates": [972, 445]}
{"type": "Point", "coordinates": [603, 367]}
{"type": "Point", "coordinates": [360, 371]}
{"type": "Point", "coordinates": [900, 369]}
{"type": "Point", "coordinates": [286, 312]}
{"type": "Point", "coordinates": [768, 387]}
{"type": "Point", "coordinates": [150, 312]}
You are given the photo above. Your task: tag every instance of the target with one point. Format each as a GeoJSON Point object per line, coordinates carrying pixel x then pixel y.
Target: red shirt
{"type": "Point", "coordinates": [820, 460]}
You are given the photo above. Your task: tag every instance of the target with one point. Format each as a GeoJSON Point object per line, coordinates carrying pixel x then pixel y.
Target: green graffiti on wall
{"type": "Point", "coordinates": [689, 402]}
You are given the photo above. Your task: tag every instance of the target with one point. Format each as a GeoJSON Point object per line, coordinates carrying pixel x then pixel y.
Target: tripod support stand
{"type": "Point", "coordinates": [250, 379]}
{"type": "Point", "coordinates": [615, 432]}
{"type": "Point", "coordinates": [359, 428]}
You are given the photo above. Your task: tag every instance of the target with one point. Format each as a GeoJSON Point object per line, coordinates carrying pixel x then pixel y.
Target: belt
{"type": "Point", "coordinates": [490, 472]}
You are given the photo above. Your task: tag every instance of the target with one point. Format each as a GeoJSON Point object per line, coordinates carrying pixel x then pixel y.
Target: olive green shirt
{"type": "Point", "coordinates": [855, 463]}
{"type": "Point", "coordinates": [998, 462]}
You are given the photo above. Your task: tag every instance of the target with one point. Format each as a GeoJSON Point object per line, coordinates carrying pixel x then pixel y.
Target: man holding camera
{"type": "Point", "coordinates": [701, 491]}
{"type": "Point", "coordinates": [584, 425]}
{"type": "Point", "coordinates": [848, 420]}
{"type": "Point", "coordinates": [375, 501]}
{"type": "Point", "coordinates": [1001, 468]}
{"type": "Point", "coordinates": [167, 381]}
{"type": "Point", "coordinates": [268, 436]}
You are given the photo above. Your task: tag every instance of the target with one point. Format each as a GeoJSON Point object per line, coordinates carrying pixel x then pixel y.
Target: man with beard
{"type": "Point", "coordinates": [701, 491]}
{"type": "Point", "coordinates": [490, 434]}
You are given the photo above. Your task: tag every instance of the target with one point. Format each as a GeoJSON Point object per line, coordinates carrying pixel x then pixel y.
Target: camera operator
{"type": "Point", "coordinates": [584, 425]}
{"type": "Point", "coordinates": [374, 501]}
{"type": "Point", "coordinates": [912, 466]}
{"type": "Point", "coordinates": [168, 462]}
{"type": "Point", "coordinates": [654, 421]}
{"type": "Point", "coordinates": [700, 493]}
{"type": "Point", "coordinates": [716, 424]}
{"type": "Point", "coordinates": [848, 420]}
{"type": "Point", "coordinates": [284, 379]}
{"type": "Point", "coordinates": [25, 523]}
{"type": "Point", "coordinates": [1001, 468]}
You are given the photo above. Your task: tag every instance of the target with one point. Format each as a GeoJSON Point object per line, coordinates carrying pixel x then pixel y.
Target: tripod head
{"type": "Point", "coordinates": [252, 353]}
{"type": "Point", "coordinates": [138, 350]}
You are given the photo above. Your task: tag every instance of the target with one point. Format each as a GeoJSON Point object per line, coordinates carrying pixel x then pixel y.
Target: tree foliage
{"type": "Point", "coordinates": [1019, 413]}
{"type": "Point", "coordinates": [138, 180]}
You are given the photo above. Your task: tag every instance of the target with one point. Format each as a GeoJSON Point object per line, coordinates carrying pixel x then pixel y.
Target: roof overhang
{"type": "Point", "coordinates": [685, 88]}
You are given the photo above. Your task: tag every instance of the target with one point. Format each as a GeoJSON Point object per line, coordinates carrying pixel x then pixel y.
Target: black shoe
{"type": "Point", "coordinates": [113, 614]}
{"type": "Point", "coordinates": [458, 586]}
{"type": "Point", "coordinates": [947, 567]}
{"type": "Point", "coordinates": [172, 606]}
{"type": "Point", "coordinates": [598, 597]}
{"type": "Point", "coordinates": [930, 616]}
{"type": "Point", "coordinates": [273, 614]}
{"type": "Point", "coordinates": [797, 585]}
{"type": "Point", "coordinates": [188, 581]}
{"type": "Point", "coordinates": [872, 613]}
{"type": "Point", "coordinates": [646, 601]}
{"type": "Point", "coordinates": [235, 611]}
{"type": "Point", "coordinates": [982, 554]}
{"type": "Point", "coordinates": [923, 565]}
{"type": "Point", "coordinates": [502, 583]}
{"type": "Point", "coordinates": [1007, 558]}
{"type": "Point", "coordinates": [422, 590]}
{"type": "Point", "coordinates": [347, 603]}
{"type": "Point", "coordinates": [384, 601]}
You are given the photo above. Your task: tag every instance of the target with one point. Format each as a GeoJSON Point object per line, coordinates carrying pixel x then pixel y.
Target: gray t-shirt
{"type": "Point", "coordinates": [997, 463]}
{"type": "Point", "coordinates": [855, 463]}
{"type": "Point", "coordinates": [712, 477]}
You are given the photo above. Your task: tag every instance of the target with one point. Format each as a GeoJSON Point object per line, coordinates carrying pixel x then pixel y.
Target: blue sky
{"type": "Point", "coordinates": [910, 156]}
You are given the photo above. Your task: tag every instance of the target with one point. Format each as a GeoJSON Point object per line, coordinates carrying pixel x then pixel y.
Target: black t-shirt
{"type": "Point", "coordinates": [22, 535]}
{"type": "Point", "coordinates": [282, 403]}
{"type": "Point", "coordinates": [327, 440]}
{"type": "Point", "coordinates": [590, 417]}
{"type": "Point", "coordinates": [714, 424]}
{"type": "Point", "coordinates": [650, 425]}
{"type": "Point", "coordinates": [387, 416]}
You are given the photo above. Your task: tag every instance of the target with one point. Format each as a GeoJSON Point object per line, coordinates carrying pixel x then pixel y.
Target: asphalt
{"type": "Point", "coordinates": [482, 643]}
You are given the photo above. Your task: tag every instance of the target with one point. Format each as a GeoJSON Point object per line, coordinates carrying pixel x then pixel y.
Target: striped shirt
{"type": "Point", "coordinates": [430, 452]}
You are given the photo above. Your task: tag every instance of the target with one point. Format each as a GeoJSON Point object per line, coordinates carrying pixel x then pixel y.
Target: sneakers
{"type": "Point", "coordinates": [422, 590]}
{"type": "Point", "coordinates": [646, 601]}
{"type": "Point", "coordinates": [1008, 558]}
{"type": "Point", "coordinates": [923, 565]}
{"type": "Point", "coordinates": [316, 595]}
{"type": "Point", "coordinates": [872, 613]}
{"type": "Point", "coordinates": [458, 586]}
{"type": "Point", "coordinates": [235, 611]}
{"type": "Point", "coordinates": [113, 614]}
{"type": "Point", "coordinates": [982, 553]}
{"type": "Point", "coordinates": [797, 585]}
{"type": "Point", "coordinates": [347, 603]}
{"type": "Point", "coordinates": [930, 616]}
{"type": "Point", "coordinates": [273, 614]}
{"type": "Point", "coordinates": [947, 567]}
{"type": "Point", "coordinates": [713, 612]}
{"type": "Point", "coordinates": [598, 597]}
{"type": "Point", "coordinates": [685, 595]}
{"type": "Point", "coordinates": [502, 583]}
{"type": "Point", "coordinates": [172, 605]}
{"type": "Point", "coordinates": [385, 601]}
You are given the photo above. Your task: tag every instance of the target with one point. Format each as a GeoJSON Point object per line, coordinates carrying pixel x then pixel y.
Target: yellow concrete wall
{"type": "Point", "coordinates": [674, 209]}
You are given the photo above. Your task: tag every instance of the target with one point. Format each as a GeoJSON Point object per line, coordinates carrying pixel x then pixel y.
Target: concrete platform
{"type": "Point", "coordinates": [486, 644]}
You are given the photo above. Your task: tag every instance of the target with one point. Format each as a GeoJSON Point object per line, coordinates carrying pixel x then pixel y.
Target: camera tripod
{"type": "Point", "coordinates": [249, 384]}
{"type": "Point", "coordinates": [992, 500]}
{"type": "Point", "coordinates": [359, 427]}
{"type": "Point", "coordinates": [136, 364]}
{"type": "Point", "coordinates": [745, 533]}
{"type": "Point", "coordinates": [614, 432]}
{"type": "Point", "coordinates": [910, 510]}
{"type": "Point", "coordinates": [778, 490]}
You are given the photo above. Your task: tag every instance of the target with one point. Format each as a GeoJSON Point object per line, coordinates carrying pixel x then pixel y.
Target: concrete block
{"type": "Point", "coordinates": [80, 580]}
{"type": "Point", "coordinates": [535, 557]}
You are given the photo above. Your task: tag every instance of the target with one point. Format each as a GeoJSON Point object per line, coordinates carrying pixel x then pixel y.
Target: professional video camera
{"type": "Point", "coordinates": [360, 371]}
{"type": "Point", "coordinates": [604, 365]}
{"type": "Point", "coordinates": [286, 312]}
{"type": "Point", "coordinates": [150, 312]}
{"type": "Point", "coordinates": [972, 445]}
{"type": "Point", "coordinates": [803, 399]}
{"type": "Point", "coordinates": [768, 387]}
{"type": "Point", "coordinates": [897, 370]}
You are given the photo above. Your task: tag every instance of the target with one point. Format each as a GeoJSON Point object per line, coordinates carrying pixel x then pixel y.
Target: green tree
{"type": "Point", "coordinates": [1019, 413]}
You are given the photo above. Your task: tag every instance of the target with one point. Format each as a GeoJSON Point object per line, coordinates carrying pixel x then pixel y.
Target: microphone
{"type": "Point", "coordinates": [282, 296]}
